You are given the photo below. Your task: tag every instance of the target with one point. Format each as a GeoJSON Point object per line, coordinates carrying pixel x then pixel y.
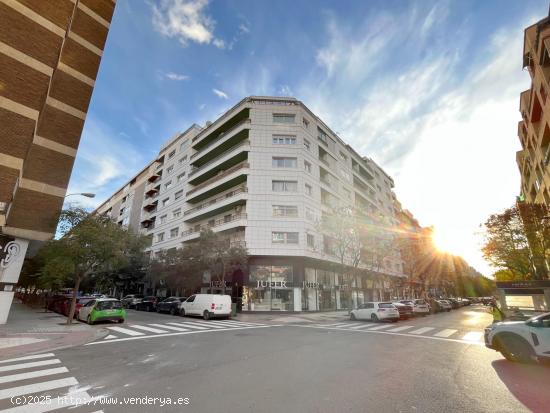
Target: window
{"type": "Point", "coordinates": [160, 237]}
{"type": "Point", "coordinates": [305, 122]}
{"type": "Point", "coordinates": [121, 211]}
{"type": "Point", "coordinates": [184, 145]}
{"type": "Point", "coordinates": [307, 166]}
{"type": "Point", "coordinates": [163, 219]}
{"type": "Point", "coordinates": [183, 159]}
{"type": "Point", "coordinates": [181, 176]}
{"type": "Point", "coordinates": [176, 213]}
{"type": "Point", "coordinates": [343, 156]}
{"type": "Point", "coordinates": [322, 135]}
{"type": "Point", "coordinates": [171, 154]}
{"type": "Point", "coordinates": [307, 145]}
{"type": "Point", "coordinates": [284, 237]}
{"type": "Point", "coordinates": [309, 190]}
{"type": "Point", "coordinates": [345, 174]}
{"type": "Point", "coordinates": [167, 184]}
{"type": "Point", "coordinates": [178, 194]}
{"type": "Point", "coordinates": [165, 202]}
{"type": "Point", "coordinates": [283, 118]}
{"type": "Point", "coordinates": [280, 162]}
{"type": "Point", "coordinates": [170, 169]}
{"type": "Point", "coordinates": [285, 211]}
{"type": "Point", "coordinates": [310, 241]}
{"type": "Point", "coordinates": [310, 216]}
{"type": "Point", "coordinates": [284, 186]}
{"type": "Point", "coordinates": [283, 140]}
{"type": "Point", "coordinates": [174, 232]}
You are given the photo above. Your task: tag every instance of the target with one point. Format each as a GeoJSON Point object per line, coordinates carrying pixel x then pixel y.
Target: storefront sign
{"type": "Point", "coordinates": [272, 284]}
{"type": "Point", "coordinates": [311, 284]}
{"type": "Point", "coordinates": [218, 284]}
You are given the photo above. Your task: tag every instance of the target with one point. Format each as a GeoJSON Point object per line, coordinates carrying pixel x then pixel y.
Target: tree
{"type": "Point", "coordinates": [89, 244]}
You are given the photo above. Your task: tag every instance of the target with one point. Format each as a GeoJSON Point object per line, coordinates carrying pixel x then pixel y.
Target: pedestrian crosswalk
{"type": "Point", "coordinates": [117, 333]}
{"type": "Point", "coordinates": [40, 383]}
{"type": "Point", "coordinates": [467, 336]}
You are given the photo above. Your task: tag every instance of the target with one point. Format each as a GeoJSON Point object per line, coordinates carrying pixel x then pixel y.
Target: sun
{"type": "Point", "coordinates": [444, 242]}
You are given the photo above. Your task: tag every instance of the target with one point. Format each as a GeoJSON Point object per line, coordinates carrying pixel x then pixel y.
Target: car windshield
{"type": "Point", "coordinates": [386, 305]}
{"type": "Point", "coordinates": [108, 305]}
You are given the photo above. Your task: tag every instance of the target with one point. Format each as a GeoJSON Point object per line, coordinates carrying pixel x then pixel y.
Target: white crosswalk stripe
{"type": "Point", "coordinates": [126, 331]}
{"type": "Point", "coordinates": [207, 324]}
{"type": "Point", "coordinates": [189, 325]}
{"type": "Point", "coordinates": [422, 330]}
{"type": "Point", "coordinates": [149, 329]}
{"type": "Point", "coordinates": [380, 327]}
{"type": "Point", "coordinates": [402, 328]}
{"type": "Point", "coordinates": [30, 377]}
{"type": "Point", "coordinates": [169, 327]}
{"type": "Point", "coordinates": [361, 326]}
{"type": "Point", "coordinates": [473, 336]}
{"type": "Point", "coordinates": [448, 332]}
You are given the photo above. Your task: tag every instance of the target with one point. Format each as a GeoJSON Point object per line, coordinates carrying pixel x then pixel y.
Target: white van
{"type": "Point", "coordinates": [207, 305]}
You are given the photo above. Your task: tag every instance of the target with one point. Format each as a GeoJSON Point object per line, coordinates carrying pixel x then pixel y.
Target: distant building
{"type": "Point", "coordinates": [263, 174]}
{"type": "Point", "coordinates": [534, 128]}
{"type": "Point", "coordinates": [50, 51]}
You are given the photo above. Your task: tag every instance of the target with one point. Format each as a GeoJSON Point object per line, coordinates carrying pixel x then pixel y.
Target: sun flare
{"type": "Point", "coordinates": [444, 242]}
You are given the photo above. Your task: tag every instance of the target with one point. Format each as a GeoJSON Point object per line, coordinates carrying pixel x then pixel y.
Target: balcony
{"type": "Point", "coordinates": [235, 175]}
{"type": "Point", "coordinates": [217, 205]}
{"type": "Point", "coordinates": [217, 130]}
{"type": "Point", "coordinates": [221, 162]}
{"type": "Point", "coordinates": [148, 223]}
{"type": "Point", "coordinates": [221, 224]}
{"type": "Point", "coordinates": [225, 140]}
{"type": "Point", "coordinates": [525, 104]}
{"type": "Point", "coordinates": [155, 177]}
{"type": "Point", "coordinates": [152, 192]}
{"type": "Point", "coordinates": [363, 172]}
{"type": "Point", "coordinates": [151, 206]}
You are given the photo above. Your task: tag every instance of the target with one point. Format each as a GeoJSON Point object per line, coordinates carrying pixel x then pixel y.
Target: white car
{"type": "Point", "coordinates": [445, 305]}
{"type": "Point", "coordinates": [375, 311]}
{"type": "Point", "coordinates": [207, 305]}
{"type": "Point", "coordinates": [419, 306]}
{"type": "Point", "coordinates": [521, 341]}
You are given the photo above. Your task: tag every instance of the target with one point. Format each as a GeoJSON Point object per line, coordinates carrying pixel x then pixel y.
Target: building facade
{"type": "Point", "coordinates": [534, 128]}
{"type": "Point", "coordinates": [50, 53]}
{"type": "Point", "coordinates": [263, 174]}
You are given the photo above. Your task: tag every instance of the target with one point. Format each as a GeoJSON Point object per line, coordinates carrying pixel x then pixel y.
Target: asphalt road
{"type": "Point", "coordinates": [298, 367]}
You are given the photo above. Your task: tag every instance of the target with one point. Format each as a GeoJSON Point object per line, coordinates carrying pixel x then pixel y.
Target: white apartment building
{"type": "Point", "coordinates": [263, 174]}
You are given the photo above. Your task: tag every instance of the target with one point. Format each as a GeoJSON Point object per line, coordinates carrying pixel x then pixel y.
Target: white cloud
{"type": "Point", "coordinates": [220, 94]}
{"type": "Point", "coordinates": [185, 20]}
{"type": "Point", "coordinates": [243, 28]}
{"type": "Point", "coordinates": [175, 76]}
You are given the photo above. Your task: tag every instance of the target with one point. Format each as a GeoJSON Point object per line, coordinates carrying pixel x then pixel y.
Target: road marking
{"type": "Point", "coordinates": [179, 334]}
{"type": "Point", "coordinates": [54, 404]}
{"type": "Point", "coordinates": [29, 365]}
{"type": "Point", "coordinates": [422, 330]}
{"type": "Point", "coordinates": [37, 387]}
{"type": "Point", "coordinates": [237, 322]}
{"type": "Point", "coordinates": [189, 325]}
{"type": "Point", "coordinates": [34, 356]}
{"type": "Point", "coordinates": [445, 333]}
{"type": "Point", "coordinates": [207, 324]}
{"type": "Point", "coordinates": [473, 336]}
{"type": "Point", "coordinates": [167, 327]}
{"type": "Point", "coordinates": [126, 331]}
{"type": "Point", "coordinates": [361, 326]}
{"type": "Point", "coordinates": [403, 328]}
{"type": "Point", "coordinates": [110, 337]}
{"type": "Point", "coordinates": [380, 327]}
{"type": "Point", "coordinates": [33, 374]}
{"type": "Point", "coordinates": [150, 329]}
{"type": "Point", "coordinates": [344, 325]}
{"type": "Point", "coordinates": [334, 325]}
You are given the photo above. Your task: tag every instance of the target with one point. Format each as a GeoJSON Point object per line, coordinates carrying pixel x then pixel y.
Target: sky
{"type": "Point", "coordinates": [428, 89]}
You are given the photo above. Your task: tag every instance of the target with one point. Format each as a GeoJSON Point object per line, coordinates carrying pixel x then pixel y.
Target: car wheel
{"type": "Point", "coordinates": [182, 312]}
{"type": "Point", "coordinates": [394, 320]}
{"type": "Point", "coordinates": [515, 349]}
{"type": "Point", "coordinates": [352, 317]}
{"type": "Point", "coordinates": [158, 310]}
{"type": "Point", "coordinates": [374, 318]}
{"type": "Point", "coordinates": [120, 321]}
{"type": "Point", "coordinates": [89, 320]}
{"type": "Point", "coordinates": [173, 311]}
{"type": "Point", "coordinates": [206, 315]}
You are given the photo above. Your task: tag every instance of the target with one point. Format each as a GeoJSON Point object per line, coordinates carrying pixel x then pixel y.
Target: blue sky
{"type": "Point", "coordinates": [428, 89]}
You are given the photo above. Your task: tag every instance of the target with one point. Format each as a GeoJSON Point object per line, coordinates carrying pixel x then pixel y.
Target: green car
{"type": "Point", "coordinates": [102, 309]}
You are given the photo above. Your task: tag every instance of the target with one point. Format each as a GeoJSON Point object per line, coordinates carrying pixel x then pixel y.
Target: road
{"type": "Point", "coordinates": [432, 364]}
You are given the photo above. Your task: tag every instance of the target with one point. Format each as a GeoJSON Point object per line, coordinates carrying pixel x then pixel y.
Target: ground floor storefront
{"type": "Point", "coordinates": [297, 284]}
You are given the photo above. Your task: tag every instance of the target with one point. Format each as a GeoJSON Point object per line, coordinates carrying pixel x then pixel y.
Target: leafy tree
{"type": "Point", "coordinates": [89, 244]}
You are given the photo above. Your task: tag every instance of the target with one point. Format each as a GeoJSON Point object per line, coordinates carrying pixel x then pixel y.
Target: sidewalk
{"type": "Point", "coordinates": [304, 317]}
{"type": "Point", "coordinates": [31, 330]}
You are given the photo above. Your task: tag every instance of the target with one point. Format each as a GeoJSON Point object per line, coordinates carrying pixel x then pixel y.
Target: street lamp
{"type": "Point", "coordinates": [86, 194]}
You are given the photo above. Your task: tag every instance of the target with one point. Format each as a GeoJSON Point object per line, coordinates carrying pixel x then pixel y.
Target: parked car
{"type": "Point", "coordinates": [170, 305]}
{"type": "Point", "coordinates": [147, 304]}
{"type": "Point", "coordinates": [445, 305]}
{"type": "Point", "coordinates": [80, 302]}
{"type": "Point", "coordinates": [405, 310]}
{"type": "Point", "coordinates": [102, 309]}
{"type": "Point", "coordinates": [131, 300]}
{"type": "Point", "coordinates": [375, 311]}
{"type": "Point", "coordinates": [521, 341]}
{"type": "Point", "coordinates": [207, 305]}
{"type": "Point", "coordinates": [466, 301]}
{"type": "Point", "coordinates": [419, 306]}
{"type": "Point", "coordinates": [454, 303]}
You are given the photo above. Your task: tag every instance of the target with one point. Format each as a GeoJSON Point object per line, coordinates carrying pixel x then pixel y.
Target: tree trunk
{"type": "Point", "coordinates": [73, 299]}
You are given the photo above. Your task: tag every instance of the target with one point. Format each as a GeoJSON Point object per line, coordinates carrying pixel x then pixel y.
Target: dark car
{"type": "Point", "coordinates": [170, 305]}
{"type": "Point", "coordinates": [454, 303]}
{"type": "Point", "coordinates": [131, 300]}
{"type": "Point", "coordinates": [405, 310]}
{"type": "Point", "coordinates": [147, 303]}
{"type": "Point", "coordinates": [435, 306]}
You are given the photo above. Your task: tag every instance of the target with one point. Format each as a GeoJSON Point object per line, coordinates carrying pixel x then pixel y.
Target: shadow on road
{"type": "Point", "coordinates": [527, 382]}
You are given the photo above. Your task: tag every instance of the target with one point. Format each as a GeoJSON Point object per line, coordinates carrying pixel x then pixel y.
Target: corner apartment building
{"type": "Point", "coordinates": [534, 128]}
{"type": "Point", "coordinates": [263, 174]}
{"type": "Point", "coordinates": [50, 53]}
